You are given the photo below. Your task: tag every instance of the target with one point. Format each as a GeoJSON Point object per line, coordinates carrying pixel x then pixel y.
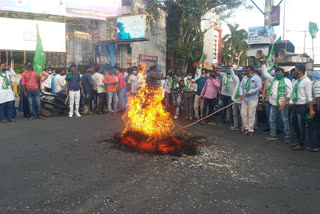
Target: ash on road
{"type": "Point", "coordinates": [62, 165]}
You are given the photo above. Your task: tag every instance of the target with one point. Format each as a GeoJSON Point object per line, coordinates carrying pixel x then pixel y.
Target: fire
{"type": "Point", "coordinates": [148, 126]}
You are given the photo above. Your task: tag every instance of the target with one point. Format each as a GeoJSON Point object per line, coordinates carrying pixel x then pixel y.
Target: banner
{"type": "Point", "coordinates": [92, 9]}
{"type": "Point", "coordinates": [23, 36]}
{"type": "Point", "coordinates": [260, 35]}
{"type": "Point", "coordinates": [131, 27]}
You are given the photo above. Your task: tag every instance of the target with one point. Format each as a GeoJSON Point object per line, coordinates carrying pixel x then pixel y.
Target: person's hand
{"type": "Point", "coordinates": [247, 94]}
{"type": "Point", "coordinates": [312, 113]}
{"type": "Point", "coordinates": [66, 92]}
{"type": "Point", "coordinates": [290, 105]}
{"type": "Point", "coordinates": [201, 97]}
{"type": "Point", "coordinates": [25, 93]}
{"type": "Point", "coordinates": [262, 102]}
{"type": "Point", "coordinates": [241, 97]}
{"type": "Point", "coordinates": [82, 93]}
{"type": "Point", "coordinates": [282, 106]}
{"type": "Point", "coordinates": [193, 81]}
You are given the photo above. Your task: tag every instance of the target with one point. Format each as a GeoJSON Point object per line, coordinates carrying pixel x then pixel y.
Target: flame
{"type": "Point", "coordinates": [147, 115]}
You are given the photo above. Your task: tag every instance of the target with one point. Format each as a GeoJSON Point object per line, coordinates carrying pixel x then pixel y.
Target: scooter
{"type": "Point", "coordinates": [59, 103]}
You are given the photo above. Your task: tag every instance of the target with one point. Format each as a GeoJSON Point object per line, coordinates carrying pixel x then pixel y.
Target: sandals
{"type": "Point", "coordinates": [249, 133]}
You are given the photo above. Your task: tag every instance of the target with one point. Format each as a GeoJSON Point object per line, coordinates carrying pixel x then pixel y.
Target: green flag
{"type": "Point", "coordinates": [313, 29]}
{"type": "Point", "coordinates": [39, 57]}
{"type": "Point", "coordinates": [203, 57]}
{"type": "Point", "coordinates": [272, 57]}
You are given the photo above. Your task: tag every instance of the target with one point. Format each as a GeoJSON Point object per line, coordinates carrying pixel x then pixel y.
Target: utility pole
{"type": "Point", "coordinates": [267, 12]}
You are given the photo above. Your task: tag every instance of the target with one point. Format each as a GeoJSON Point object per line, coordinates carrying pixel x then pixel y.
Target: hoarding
{"type": "Point", "coordinates": [131, 27]}
{"type": "Point", "coordinates": [92, 9]}
{"type": "Point", "coordinates": [275, 16]}
{"type": "Point", "coordinates": [260, 35]}
{"type": "Point", "coordinates": [23, 36]}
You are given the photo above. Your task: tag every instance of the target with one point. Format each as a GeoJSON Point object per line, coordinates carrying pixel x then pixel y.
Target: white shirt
{"type": "Point", "coordinates": [236, 82]}
{"type": "Point", "coordinates": [316, 88]}
{"type": "Point", "coordinates": [232, 85]}
{"type": "Point", "coordinates": [134, 81]}
{"type": "Point", "coordinates": [95, 78]}
{"type": "Point", "coordinates": [59, 83]}
{"type": "Point", "coordinates": [191, 85]}
{"type": "Point", "coordinates": [47, 82]}
{"type": "Point", "coordinates": [304, 91]}
{"type": "Point", "coordinates": [6, 95]}
{"type": "Point", "coordinates": [274, 90]}
{"type": "Point", "coordinates": [100, 84]}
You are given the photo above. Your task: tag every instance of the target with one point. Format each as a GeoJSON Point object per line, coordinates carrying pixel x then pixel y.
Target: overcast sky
{"type": "Point", "coordinates": [298, 14]}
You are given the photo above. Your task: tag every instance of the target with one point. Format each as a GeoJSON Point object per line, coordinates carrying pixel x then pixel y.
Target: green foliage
{"type": "Point", "coordinates": [234, 46]}
{"type": "Point", "coordinates": [184, 35]}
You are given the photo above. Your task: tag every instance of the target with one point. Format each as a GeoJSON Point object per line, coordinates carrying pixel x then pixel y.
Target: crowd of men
{"type": "Point", "coordinates": [291, 100]}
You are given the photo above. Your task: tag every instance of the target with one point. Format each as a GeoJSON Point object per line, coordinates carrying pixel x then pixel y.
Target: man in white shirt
{"type": "Point", "coordinates": [6, 96]}
{"type": "Point", "coordinates": [236, 107]}
{"type": "Point", "coordinates": [301, 99]}
{"type": "Point", "coordinates": [228, 86]}
{"type": "Point", "coordinates": [134, 82]}
{"type": "Point", "coordinates": [280, 91]}
{"type": "Point", "coordinates": [95, 77]}
{"type": "Point", "coordinates": [59, 81]}
{"type": "Point", "coordinates": [101, 90]}
{"type": "Point", "coordinates": [48, 79]}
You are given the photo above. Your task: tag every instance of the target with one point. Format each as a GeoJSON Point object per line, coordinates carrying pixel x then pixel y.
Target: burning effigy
{"type": "Point", "coordinates": [149, 127]}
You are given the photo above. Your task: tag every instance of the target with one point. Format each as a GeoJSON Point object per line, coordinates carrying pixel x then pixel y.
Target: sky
{"type": "Point", "coordinates": [298, 14]}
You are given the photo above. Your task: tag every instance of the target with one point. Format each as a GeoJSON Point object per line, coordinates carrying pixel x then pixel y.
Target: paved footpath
{"type": "Point", "coordinates": [62, 165]}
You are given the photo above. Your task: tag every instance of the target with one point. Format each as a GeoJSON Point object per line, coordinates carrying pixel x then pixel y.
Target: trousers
{"type": "Point", "coordinates": [248, 114]}
{"type": "Point", "coordinates": [198, 102]}
{"type": "Point", "coordinates": [74, 102]}
{"type": "Point", "coordinates": [188, 102]}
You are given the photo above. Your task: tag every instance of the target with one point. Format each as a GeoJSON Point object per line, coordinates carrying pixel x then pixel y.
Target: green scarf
{"type": "Point", "coordinates": [294, 96]}
{"type": "Point", "coordinates": [281, 92]}
{"type": "Point", "coordinates": [226, 82]}
{"type": "Point", "coordinates": [69, 75]}
{"type": "Point", "coordinates": [187, 86]}
{"type": "Point", "coordinates": [6, 80]}
{"type": "Point", "coordinates": [248, 85]}
{"type": "Point", "coordinates": [238, 91]}
{"type": "Point", "coordinates": [176, 85]}
{"type": "Point", "coordinates": [169, 83]}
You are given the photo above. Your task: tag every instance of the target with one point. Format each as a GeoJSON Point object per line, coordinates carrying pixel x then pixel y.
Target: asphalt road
{"type": "Point", "coordinates": [62, 165]}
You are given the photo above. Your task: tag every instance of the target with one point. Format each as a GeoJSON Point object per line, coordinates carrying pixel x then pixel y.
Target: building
{"type": "Point", "coordinates": [151, 50]}
{"type": "Point", "coordinates": [212, 40]}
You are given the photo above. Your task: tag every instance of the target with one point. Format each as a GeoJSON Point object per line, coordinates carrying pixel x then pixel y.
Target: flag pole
{"type": "Point", "coordinates": [312, 54]}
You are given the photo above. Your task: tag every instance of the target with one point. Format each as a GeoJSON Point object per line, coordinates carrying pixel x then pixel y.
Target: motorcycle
{"type": "Point", "coordinates": [59, 103]}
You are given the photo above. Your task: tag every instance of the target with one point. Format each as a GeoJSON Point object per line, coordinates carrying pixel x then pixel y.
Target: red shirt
{"type": "Point", "coordinates": [30, 80]}
{"type": "Point", "coordinates": [121, 82]}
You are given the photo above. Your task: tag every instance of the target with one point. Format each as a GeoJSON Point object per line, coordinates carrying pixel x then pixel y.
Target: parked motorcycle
{"type": "Point", "coordinates": [59, 103]}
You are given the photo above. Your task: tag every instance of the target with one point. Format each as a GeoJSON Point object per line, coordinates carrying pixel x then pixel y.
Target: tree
{"type": "Point", "coordinates": [234, 45]}
{"type": "Point", "coordinates": [184, 35]}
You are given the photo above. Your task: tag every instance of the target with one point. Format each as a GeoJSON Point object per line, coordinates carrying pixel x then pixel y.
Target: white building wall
{"type": "Point", "coordinates": [211, 37]}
